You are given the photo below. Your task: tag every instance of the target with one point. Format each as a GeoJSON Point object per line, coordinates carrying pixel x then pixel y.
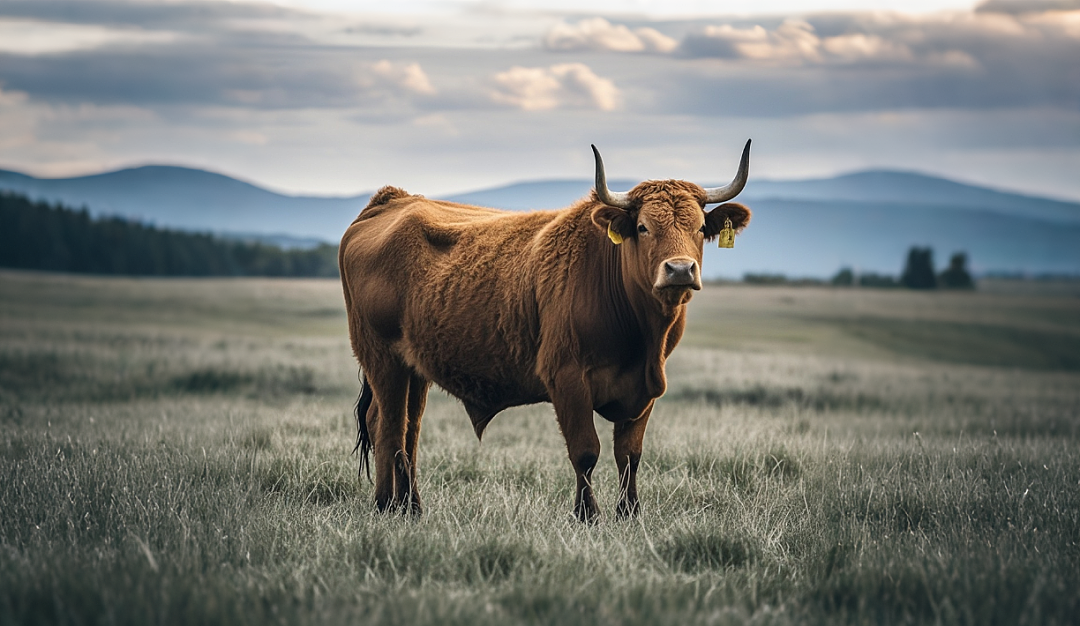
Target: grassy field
{"type": "Point", "coordinates": [177, 451]}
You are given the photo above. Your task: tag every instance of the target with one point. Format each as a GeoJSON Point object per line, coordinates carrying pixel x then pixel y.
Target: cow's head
{"type": "Point", "coordinates": [662, 226]}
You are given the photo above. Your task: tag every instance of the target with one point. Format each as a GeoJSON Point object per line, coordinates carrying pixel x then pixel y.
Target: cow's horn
{"type": "Point", "coordinates": [723, 194]}
{"type": "Point", "coordinates": [619, 199]}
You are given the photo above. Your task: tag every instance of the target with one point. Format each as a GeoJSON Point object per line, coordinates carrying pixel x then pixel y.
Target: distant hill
{"type": "Point", "coordinates": [866, 220]}
{"type": "Point", "coordinates": [544, 194]}
{"type": "Point", "coordinates": [912, 188]}
{"type": "Point", "coordinates": [815, 238]}
{"type": "Point", "coordinates": [869, 186]}
{"type": "Point", "coordinates": [192, 199]}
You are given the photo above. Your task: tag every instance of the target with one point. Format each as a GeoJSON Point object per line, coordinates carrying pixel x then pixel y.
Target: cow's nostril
{"type": "Point", "coordinates": [679, 269]}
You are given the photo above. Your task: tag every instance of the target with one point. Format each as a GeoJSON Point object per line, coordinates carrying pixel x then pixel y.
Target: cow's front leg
{"type": "Point", "coordinates": [628, 437]}
{"type": "Point", "coordinates": [573, 409]}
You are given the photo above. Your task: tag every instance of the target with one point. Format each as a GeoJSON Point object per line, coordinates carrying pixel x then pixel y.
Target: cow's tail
{"type": "Point", "coordinates": [363, 436]}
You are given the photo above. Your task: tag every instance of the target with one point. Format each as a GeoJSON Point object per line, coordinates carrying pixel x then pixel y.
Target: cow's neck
{"type": "Point", "coordinates": [637, 311]}
{"type": "Point", "coordinates": [657, 321]}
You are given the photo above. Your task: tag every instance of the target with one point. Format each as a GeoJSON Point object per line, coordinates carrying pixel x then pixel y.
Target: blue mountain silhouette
{"type": "Point", "coordinates": [866, 220]}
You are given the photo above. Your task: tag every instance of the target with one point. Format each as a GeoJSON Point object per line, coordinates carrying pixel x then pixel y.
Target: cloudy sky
{"type": "Point", "coordinates": [337, 97]}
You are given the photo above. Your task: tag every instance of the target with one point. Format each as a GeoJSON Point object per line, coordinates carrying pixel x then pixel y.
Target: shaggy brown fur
{"type": "Point", "coordinates": [502, 309]}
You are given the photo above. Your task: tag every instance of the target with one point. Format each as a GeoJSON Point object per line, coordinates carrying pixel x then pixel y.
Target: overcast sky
{"type": "Point", "coordinates": [336, 97]}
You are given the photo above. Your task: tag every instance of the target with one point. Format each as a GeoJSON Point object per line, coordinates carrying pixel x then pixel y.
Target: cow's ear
{"type": "Point", "coordinates": [714, 220]}
{"type": "Point", "coordinates": [613, 220]}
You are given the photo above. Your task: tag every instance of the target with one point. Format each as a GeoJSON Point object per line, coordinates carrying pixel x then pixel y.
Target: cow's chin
{"type": "Point", "coordinates": [674, 295]}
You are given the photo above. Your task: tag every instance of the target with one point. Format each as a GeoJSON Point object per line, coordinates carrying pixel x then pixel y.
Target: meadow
{"type": "Point", "coordinates": [177, 451]}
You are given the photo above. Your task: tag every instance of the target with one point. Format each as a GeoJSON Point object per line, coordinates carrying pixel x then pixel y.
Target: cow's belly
{"type": "Point", "coordinates": [481, 393]}
{"type": "Point", "coordinates": [472, 361]}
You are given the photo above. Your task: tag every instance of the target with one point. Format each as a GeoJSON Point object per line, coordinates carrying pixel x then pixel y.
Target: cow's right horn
{"type": "Point", "coordinates": [723, 194]}
{"type": "Point", "coordinates": [618, 199]}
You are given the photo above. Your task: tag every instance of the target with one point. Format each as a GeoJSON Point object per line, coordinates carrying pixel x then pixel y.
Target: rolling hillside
{"type": "Point", "coordinates": [870, 187]}
{"type": "Point", "coordinates": [879, 186]}
{"type": "Point", "coordinates": [866, 220]}
{"type": "Point", "coordinates": [191, 199]}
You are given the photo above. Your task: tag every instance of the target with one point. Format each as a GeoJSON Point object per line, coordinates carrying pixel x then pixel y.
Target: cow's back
{"type": "Point", "coordinates": [449, 289]}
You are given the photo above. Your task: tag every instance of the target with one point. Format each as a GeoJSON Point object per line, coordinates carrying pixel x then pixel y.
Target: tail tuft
{"type": "Point", "coordinates": [363, 437]}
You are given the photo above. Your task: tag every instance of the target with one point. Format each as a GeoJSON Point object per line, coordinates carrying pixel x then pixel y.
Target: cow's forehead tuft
{"type": "Point", "coordinates": [669, 202]}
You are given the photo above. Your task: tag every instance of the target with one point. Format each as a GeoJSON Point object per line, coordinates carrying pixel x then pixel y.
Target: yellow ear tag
{"type": "Point", "coordinates": [727, 236]}
{"type": "Point", "coordinates": [615, 237]}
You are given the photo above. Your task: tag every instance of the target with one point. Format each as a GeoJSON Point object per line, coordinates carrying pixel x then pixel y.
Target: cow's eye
{"type": "Point", "coordinates": [702, 229]}
{"type": "Point", "coordinates": [641, 229]}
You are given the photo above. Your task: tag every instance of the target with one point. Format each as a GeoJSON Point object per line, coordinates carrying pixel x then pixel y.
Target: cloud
{"type": "Point", "coordinates": [1066, 23]}
{"type": "Point", "coordinates": [832, 62]}
{"type": "Point", "coordinates": [402, 78]}
{"type": "Point", "coordinates": [565, 85]}
{"type": "Point", "coordinates": [385, 30]}
{"type": "Point", "coordinates": [1018, 7]}
{"type": "Point", "coordinates": [860, 46]}
{"type": "Point", "coordinates": [33, 37]}
{"type": "Point", "coordinates": [277, 77]}
{"type": "Point", "coordinates": [249, 137]}
{"type": "Point", "coordinates": [437, 122]}
{"type": "Point", "coordinates": [264, 84]}
{"type": "Point", "coordinates": [8, 98]}
{"type": "Point", "coordinates": [876, 62]}
{"type": "Point", "coordinates": [792, 41]}
{"type": "Point", "coordinates": [181, 14]}
{"type": "Point", "coordinates": [839, 38]}
{"type": "Point", "coordinates": [179, 76]}
{"type": "Point", "coordinates": [599, 34]}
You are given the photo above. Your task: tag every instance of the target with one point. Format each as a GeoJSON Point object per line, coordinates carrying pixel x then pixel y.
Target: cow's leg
{"type": "Point", "coordinates": [573, 409]}
{"type": "Point", "coordinates": [418, 390]}
{"type": "Point", "coordinates": [628, 437]}
{"type": "Point", "coordinates": [390, 384]}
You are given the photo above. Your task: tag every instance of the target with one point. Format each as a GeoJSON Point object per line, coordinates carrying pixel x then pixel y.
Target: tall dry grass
{"type": "Point", "coordinates": [178, 452]}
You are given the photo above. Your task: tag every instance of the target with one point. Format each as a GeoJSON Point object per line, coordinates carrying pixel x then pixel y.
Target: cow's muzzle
{"type": "Point", "coordinates": [679, 272]}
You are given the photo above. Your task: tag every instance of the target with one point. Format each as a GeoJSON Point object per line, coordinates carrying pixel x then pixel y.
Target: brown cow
{"type": "Point", "coordinates": [579, 307]}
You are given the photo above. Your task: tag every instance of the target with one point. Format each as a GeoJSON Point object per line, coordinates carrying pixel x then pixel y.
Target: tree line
{"type": "Point", "coordinates": [40, 236]}
{"type": "Point", "coordinates": [918, 273]}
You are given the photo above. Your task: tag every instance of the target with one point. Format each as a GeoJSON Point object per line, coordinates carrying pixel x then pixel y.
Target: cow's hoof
{"type": "Point", "coordinates": [384, 503]}
{"type": "Point", "coordinates": [413, 506]}
{"type": "Point", "coordinates": [587, 512]}
{"type": "Point", "coordinates": [627, 510]}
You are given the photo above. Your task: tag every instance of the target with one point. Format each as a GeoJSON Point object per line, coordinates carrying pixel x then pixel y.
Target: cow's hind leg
{"type": "Point", "coordinates": [390, 384]}
{"type": "Point", "coordinates": [418, 390]}
{"type": "Point", "coordinates": [628, 437]}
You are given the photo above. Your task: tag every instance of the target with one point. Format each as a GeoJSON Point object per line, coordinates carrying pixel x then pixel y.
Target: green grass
{"type": "Point", "coordinates": [178, 452]}
{"type": "Point", "coordinates": [981, 344]}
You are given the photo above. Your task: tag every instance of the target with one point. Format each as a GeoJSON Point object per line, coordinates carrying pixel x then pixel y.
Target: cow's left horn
{"type": "Point", "coordinates": [723, 194]}
{"type": "Point", "coordinates": [619, 199]}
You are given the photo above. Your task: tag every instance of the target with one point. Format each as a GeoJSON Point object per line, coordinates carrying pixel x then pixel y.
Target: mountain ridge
{"type": "Point", "coordinates": [879, 185]}
{"type": "Point", "coordinates": [193, 199]}
{"type": "Point", "coordinates": [804, 227]}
